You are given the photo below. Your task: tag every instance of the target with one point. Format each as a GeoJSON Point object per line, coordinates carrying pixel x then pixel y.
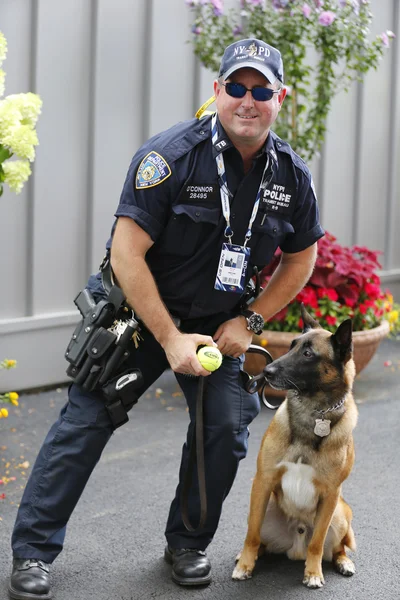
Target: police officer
{"type": "Point", "coordinates": [203, 203]}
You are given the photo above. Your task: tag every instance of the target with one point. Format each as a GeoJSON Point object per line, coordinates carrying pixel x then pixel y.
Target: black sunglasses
{"type": "Point", "coordinates": [259, 93]}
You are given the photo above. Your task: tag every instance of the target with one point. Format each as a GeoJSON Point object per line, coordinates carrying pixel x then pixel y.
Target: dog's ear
{"type": "Point", "coordinates": [342, 340]}
{"type": "Point", "coordinates": [308, 321]}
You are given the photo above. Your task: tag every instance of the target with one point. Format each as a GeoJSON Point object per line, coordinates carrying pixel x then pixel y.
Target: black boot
{"type": "Point", "coordinates": [189, 566]}
{"type": "Point", "coordinates": [30, 580]}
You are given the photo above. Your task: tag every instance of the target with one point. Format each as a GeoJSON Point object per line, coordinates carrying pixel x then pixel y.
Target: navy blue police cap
{"type": "Point", "coordinates": [255, 54]}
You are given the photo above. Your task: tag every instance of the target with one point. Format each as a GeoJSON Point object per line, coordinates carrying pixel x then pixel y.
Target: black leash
{"type": "Point", "coordinates": [196, 451]}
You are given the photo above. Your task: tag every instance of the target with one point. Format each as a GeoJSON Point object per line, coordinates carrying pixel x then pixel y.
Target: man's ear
{"type": "Point", "coordinates": [308, 321]}
{"type": "Point", "coordinates": [282, 96]}
{"type": "Point", "coordinates": [342, 340]}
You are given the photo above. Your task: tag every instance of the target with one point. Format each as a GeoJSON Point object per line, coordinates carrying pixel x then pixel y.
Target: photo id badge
{"type": "Point", "coordinates": [232, 268]}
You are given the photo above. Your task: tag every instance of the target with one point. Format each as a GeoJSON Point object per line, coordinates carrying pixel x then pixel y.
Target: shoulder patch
{"type": "Point", "coordinates": [153, 170]}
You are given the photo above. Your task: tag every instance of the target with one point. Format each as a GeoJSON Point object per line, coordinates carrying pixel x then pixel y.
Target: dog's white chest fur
{"type": "Point", "coordinates": [299, 493]}
{"type": "Point", "coordinates": [288, 525]}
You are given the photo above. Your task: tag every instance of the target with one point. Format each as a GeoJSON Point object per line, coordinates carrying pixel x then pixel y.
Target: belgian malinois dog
{"type": "Point", "coordinates": [296, 507]}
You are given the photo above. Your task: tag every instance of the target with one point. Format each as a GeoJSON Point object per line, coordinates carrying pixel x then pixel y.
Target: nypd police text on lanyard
{"type": "Point", "coordinates": [233, 261]}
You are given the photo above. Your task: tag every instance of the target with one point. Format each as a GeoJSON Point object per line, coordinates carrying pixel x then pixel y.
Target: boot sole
{"type": "Point", "coordinates": [185, 581]}
{"type": "Point", "coordinates": [16, 595]}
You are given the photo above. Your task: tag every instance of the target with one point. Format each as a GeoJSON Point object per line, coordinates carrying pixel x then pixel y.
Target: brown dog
{"type": "Point", "coordinates": [307, 452]}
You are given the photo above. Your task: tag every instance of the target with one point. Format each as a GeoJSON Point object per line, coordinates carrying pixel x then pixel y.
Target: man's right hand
{"type": "Point", "coordinates": [181, 349]}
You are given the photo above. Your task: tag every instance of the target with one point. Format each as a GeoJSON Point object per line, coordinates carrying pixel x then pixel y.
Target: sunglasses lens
{"type": "Point", "coordinates": [262, 94]}
{"type": "Point", "coordinates": [236, 90]}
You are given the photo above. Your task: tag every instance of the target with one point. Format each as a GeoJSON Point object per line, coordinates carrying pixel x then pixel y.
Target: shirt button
{"type": "Point", "coordinates": [197, 214]}
{"type": "Point", "coordinates": [274, 229]}
{"type": "Point", "coordinates": [233, 215]}
{"type": "Point", "coordinates": [201, 132]}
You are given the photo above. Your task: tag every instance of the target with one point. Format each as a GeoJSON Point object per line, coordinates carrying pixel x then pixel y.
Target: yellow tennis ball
{"type": "Point", "coordinates": [210, 358]}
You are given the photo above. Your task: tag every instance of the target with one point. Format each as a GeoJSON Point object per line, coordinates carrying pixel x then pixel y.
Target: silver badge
{"type": "Point", "coordinates": [322, 427]}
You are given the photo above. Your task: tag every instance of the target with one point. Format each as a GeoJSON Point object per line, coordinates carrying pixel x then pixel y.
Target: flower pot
{"type": "Point", "coordinates": [277, 343]}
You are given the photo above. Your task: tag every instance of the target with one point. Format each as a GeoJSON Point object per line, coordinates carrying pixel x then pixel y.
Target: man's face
{"type": "Point", "coordinates": [245, 120]}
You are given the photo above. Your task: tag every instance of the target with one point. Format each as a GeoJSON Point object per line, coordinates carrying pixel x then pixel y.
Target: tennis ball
{"type": "Point", "coordinates": [210, 358]}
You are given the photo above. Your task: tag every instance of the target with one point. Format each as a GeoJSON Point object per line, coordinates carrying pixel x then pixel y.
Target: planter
{"type": "Point", "coordinates": [277, 343]}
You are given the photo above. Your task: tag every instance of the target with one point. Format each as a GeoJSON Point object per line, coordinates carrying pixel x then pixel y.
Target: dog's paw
{"type": "Point", "coordinates": [344, 566]}
{"type": "Point", "coordinates": [241, 574]}
{"type": "Point", "coordinates": [313, 581]}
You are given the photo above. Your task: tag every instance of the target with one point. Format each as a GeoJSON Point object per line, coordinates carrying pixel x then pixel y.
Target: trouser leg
{"type": "Point", "coordinates": [68, 456]}
{"type": "Point", "coordinates": [228, 410]}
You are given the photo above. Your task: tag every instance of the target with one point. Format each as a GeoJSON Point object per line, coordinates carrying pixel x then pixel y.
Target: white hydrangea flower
{"type": "Point", "coordinates": [2, 78]}
{"type": "Point", "coordinates": [29, 105]}
{"type": "Point", "coordinates": [10, 118]}
{"type": "Point", "coordinates": [21, 141]}
{"type": "Point", "coordinates": [3, 48]}
{"type": "Point", "coordinates": [16, 173]}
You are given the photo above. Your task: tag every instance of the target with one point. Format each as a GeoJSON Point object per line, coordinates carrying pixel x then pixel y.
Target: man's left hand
{"type": "Point", "coordinates": [233, 337]}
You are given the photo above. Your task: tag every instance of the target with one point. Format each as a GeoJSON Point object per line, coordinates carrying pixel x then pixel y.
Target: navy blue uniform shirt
{"type": "Point", "coordinates": [172, 192]}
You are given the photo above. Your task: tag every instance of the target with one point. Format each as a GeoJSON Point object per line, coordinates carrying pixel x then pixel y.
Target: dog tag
{"type": "Point", "coordinates": [322, 427]}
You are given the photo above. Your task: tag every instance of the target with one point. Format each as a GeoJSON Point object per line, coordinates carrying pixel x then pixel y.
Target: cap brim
{"type": "Point", "coordinates": [252, 65]}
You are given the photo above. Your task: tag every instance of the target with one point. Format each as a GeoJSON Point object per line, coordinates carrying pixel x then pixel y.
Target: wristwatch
{"type": "Point", "coordinates": [255, 322]}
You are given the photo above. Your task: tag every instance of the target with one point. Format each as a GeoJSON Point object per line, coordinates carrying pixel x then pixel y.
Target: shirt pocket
{"type": "Point", "coordinates": [188, 228]}
{"type": "Point", "coordinates": [267, 235]}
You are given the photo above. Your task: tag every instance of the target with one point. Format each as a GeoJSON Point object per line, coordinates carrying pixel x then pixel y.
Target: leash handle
{"type": "Point", "coordinates": [196, 450]}
{"type": "Point", "coordinates": [258, 382]}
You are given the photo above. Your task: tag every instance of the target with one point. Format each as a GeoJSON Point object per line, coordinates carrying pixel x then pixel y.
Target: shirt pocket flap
{"type": "Point", "coordinates": [198, 214]}
{"type": "Point", "coordinates": [273, 227]}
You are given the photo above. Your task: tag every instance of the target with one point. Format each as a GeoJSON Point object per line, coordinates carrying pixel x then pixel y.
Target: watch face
{"type": "Point", "coordinates": [256, 323]}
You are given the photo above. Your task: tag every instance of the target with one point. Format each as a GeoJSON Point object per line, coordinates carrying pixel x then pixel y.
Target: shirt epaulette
{"type": "Point", "coordinates": [180, 139]}
{"type": "Point", "coordinates": [286, 148]}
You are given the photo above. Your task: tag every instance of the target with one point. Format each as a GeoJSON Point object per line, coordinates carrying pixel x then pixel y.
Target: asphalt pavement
{"type": "Point", "coordinates": [115, 539]}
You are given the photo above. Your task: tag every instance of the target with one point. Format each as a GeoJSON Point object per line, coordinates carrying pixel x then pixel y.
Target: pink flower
{"type": "Point", "coordinates": [385, 40]}
{"type": "Point", "coordinates": [218, 7]}
{"type": "Point", "coordinates": [326, 18]}
{"type": "Point", "coordinates": [306, 10]}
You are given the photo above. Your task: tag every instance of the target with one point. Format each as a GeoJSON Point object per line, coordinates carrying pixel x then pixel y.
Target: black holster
{"type": "Point", "coordinates": [96, 354]}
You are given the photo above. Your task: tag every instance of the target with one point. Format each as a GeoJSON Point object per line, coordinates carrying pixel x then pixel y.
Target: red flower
{"type": "Point", "coordinates": [308, 296]}
{"type": "Point", "coordinates": [372, 290]}
{"type": "Point", "coordinates": [329, 292]}
{"type": "Point", "coordinates": [363, 308]}
{"type": "Point", "coordinates": [331, 320]}
{"type": "Point", "coordinates": [318, 313]}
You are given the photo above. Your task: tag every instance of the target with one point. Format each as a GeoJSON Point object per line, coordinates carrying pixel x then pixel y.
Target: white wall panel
{"type": "Point", "coordinates": [336, 194]}
{"type": "Point", "coordinates": [118, 105]}
{"type": "Point", "coordinates": [171, 63]}
{"type": "Point", "coordinates": [15, 23]}
{"type": "Point", "coordinates": [374, 150]}
{"type": "Point", "coordinates": [60, 184]}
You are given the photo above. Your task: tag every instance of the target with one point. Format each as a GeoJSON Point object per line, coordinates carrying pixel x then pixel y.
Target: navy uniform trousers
{"type": "Point", "coordinates": [76, 440]}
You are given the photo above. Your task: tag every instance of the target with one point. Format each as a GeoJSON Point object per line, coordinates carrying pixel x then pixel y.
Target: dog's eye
{"type": "Point", "coordinates": [307, 353]}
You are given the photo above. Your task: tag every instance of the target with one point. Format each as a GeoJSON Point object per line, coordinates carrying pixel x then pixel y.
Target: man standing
{"type": "Point", "coordinates": [203, 204]}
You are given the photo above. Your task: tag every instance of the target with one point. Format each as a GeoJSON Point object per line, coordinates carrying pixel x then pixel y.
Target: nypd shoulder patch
{"type": "Point", "coordinates": [152, 170]}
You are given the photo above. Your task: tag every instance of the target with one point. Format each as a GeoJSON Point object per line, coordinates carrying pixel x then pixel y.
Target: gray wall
{"type": "Point", "coordinates": [111, 73]}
